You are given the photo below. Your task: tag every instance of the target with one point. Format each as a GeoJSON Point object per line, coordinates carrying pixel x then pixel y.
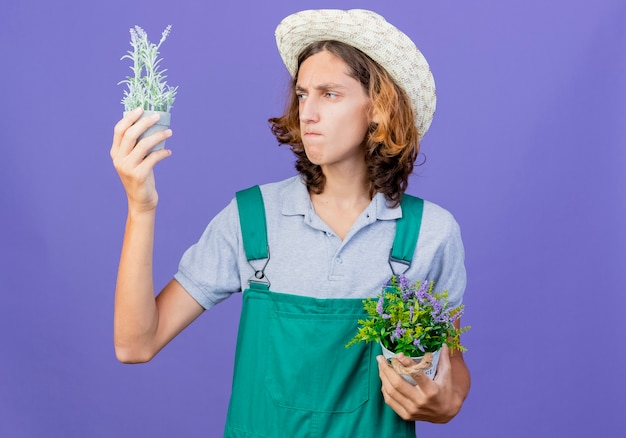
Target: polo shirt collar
{"type": "Point", "coordinates": [296, 201]}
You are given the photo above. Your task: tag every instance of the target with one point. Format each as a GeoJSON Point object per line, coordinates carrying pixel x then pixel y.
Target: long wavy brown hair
{"type": "Point", "coordinates": [391, 146]}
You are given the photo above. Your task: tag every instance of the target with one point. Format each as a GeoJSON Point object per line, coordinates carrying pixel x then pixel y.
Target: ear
{"type": "Point", "coordinates": [375, 117]}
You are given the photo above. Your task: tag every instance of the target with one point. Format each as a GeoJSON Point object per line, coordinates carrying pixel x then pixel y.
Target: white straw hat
{"type": "Point", "coordinates": [374, 36]}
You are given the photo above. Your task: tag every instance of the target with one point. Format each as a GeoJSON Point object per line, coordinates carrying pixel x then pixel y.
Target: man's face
{"type": "Point", "coordinates": [334, 112]}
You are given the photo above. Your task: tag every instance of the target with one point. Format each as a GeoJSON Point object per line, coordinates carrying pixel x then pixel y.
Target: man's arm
{"type": "Point", "coordinates": [143, 324]}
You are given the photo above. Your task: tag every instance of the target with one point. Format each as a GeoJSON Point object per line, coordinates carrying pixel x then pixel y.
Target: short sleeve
{"type": "Point", "coordinates": [443, 247]}
{"type": "Point", "coordinates": [452, 275]}
{"type": "Point", "coordinates": [209, 270]}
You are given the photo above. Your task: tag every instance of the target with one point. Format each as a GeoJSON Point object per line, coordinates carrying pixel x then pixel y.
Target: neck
{"type": "Point", "coordinates": [346, 186]}
{"type": "Point", "coordinates": [346, 195]}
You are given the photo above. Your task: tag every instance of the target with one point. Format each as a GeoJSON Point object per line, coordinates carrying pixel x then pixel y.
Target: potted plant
{"type": "Point", "coordinates": [411, 318]}
{"type": "Point", "coordinates": [147, 87]}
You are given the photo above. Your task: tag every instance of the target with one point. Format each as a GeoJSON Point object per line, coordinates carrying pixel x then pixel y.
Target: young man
{"type": "Point", "coordinates": [308, 249]}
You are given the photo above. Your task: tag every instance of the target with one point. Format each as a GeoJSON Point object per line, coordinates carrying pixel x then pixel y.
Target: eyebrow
{"type": "Point", "coordinates": [323, 87]}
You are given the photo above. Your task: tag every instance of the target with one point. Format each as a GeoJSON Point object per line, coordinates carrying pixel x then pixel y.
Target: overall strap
{"type": "Point", "coordinates": [407, 231]}
{"type": "Point", "coordinates": [254, 230]}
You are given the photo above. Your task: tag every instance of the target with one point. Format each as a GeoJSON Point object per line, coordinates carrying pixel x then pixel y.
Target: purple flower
{"type": "Point", "coordinates": [379, 306]}
{"type": "Point", "coordinates": [418, 344]}
{"type": "Point", "coordinates": [457, 315]}
{"type": "Point", "coordinates": [422, 292]}
{"type": "Point", "coordinates": [411, 310]}
{"type": "Point", "coordinates": [406, 294]}
{"type": "Point", "coordinates": [398, 332]}
{"type": "Point", "coordinates": [405, 288]}
{"type": "Point", "coordinates": [444, 317]}
{"type": "Point", "coordinates": [404, 282]}
{"type": "Point", "coordinates": [436, 306]}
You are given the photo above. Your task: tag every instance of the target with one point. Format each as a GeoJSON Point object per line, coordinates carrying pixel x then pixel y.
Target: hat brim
{"type": "Point", "coordinates": [374, 36]}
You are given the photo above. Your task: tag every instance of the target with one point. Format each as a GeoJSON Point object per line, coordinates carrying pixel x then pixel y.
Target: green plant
{"type": "Point", "coordinates": [410, 319]}
{"type": "Point", "coordinates": [147, 88]}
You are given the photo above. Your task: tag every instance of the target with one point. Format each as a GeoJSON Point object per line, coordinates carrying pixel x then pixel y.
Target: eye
{"type": "Point", "coordinates": [331, 95]}
{"type": "Point", "coordinates": [301, 96]}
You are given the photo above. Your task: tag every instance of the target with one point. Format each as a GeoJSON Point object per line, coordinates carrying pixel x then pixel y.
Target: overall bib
{"type": "Point", "coordinates": [293, 376]}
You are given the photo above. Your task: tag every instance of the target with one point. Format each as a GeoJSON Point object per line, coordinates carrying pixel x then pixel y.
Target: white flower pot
{"type": "Point", "coordinates": [161, 125]}
{"type": "Point", "coordinates": [430, 372]}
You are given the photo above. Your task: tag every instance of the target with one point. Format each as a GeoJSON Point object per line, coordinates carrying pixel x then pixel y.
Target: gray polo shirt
{"type": "Point", "coordinates": [307, 258]}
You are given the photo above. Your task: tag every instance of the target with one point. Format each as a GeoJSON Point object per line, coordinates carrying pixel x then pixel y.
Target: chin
{"type": "Point", "coordinates": [312, 158]}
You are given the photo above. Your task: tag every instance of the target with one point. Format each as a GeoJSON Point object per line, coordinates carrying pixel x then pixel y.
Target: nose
{"type": "Point", "coordinates": [309, 110]}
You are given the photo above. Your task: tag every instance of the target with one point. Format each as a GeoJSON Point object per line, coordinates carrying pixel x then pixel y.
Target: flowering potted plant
{"type": "Point", "coordinates": [147, 88]}
{"type": "Point", "coordinates": [411, 318]}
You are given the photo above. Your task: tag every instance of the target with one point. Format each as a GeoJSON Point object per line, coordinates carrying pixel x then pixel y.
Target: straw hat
{"type": "Point", "coordinates": [374, 36]}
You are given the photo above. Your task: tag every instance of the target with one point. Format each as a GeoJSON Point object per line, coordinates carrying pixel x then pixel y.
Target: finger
{"type": "Point", "coordinates": [391, 389]}
{"type": "Point", "coordinates": [404, 360]}
{"type": "Point", "coordinates": [131, 137]}
{"type": "Point", "coordinates": [383, 366]}
{"type": "Point", "coordinates": [142, 149]}
{"type": "Point", "coordinates": [120, 128]}
{"type": "Point", "coordinates": [385, 372]}
{"type": "Point", "coordinates": [390, 374]}
{"type": "Point", "coordinates": [394, 404]}
{"type": "Point", "coordinates": [154, 157]}
{"type": "Point", "coordinates": [394, 382]}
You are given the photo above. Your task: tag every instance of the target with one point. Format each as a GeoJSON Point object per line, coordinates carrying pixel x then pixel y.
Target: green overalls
{"type": "Point", "coordinates": [293, 376]}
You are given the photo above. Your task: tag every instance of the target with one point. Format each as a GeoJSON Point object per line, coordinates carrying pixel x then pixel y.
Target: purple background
{"type": "Point", "coordinates": [526, 149]}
